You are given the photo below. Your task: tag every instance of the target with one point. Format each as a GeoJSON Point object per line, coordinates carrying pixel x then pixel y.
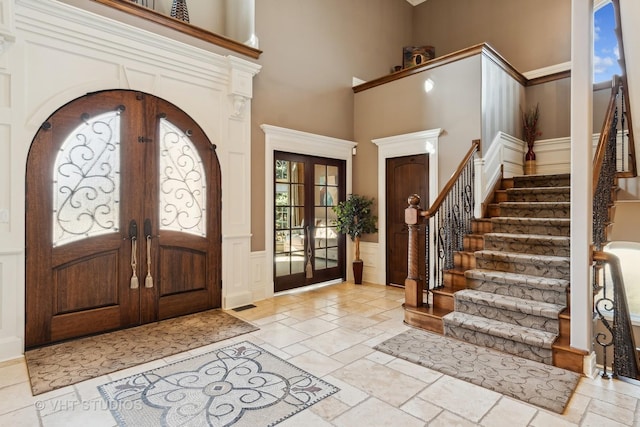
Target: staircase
{"type": "Point", "coordinates": [516, 294]}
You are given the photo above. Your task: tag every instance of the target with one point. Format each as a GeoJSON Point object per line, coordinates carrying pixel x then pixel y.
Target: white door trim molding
{"type": "Point", "coordinates": [398, 146]}
{"type": "Point", "coordinates": [294, 141]}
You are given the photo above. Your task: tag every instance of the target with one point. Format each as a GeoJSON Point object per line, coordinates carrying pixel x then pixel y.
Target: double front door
{"type": "Point", "coordinates": [307, 246]}
{"type": "Point", "coordinates": [123, 217]}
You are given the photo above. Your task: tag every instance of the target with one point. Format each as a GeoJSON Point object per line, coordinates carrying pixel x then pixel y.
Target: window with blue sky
{"type": "Point", "coordinates": [605, 45]}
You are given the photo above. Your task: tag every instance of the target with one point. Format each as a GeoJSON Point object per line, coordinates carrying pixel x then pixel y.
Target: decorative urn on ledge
{"type": "Point", "coordinates": [530, 131]}
{"type": "Point", "coordinates": [355, 218]}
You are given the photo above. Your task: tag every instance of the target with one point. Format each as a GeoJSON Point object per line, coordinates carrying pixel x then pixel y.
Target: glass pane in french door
{"type": "Point", "coordinates": [325, 236]}
{"type": "Point", "coordinates": [290, 236]}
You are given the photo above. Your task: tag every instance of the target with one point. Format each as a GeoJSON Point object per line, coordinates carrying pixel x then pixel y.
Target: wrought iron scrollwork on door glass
{"type": "Point", "coordinates": [182, 182]}
{"type": "Point", "coordinates": [86, 181]}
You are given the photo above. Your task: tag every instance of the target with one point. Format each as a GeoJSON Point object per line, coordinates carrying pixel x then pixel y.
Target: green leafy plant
{"type": "Point", "coordinates": [355, 218]}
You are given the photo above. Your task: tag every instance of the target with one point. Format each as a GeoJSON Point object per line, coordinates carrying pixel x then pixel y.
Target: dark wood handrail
{"type": "Point", "coordinates": [475, 146]}
{"type": "Point", "coordinates": [605, 133]}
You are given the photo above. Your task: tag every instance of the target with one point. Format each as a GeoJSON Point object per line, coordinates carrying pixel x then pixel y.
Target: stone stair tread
{"type": "Point", "coordinates": [521, 334]}
{"type": "Point", "coordinates": [526, 258]}
{"type": "Point", "coordinates": [530, 307]}
{"type": "Point", "coordinates": [506, 277]}
{"type": "Point", "coordinates": [557, 240]}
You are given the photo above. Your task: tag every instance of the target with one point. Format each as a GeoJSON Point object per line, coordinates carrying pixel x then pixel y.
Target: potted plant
{"type": "Point", "coordinates": [355, 218]}
{"type": "Point", "coordinates": [530, 131]}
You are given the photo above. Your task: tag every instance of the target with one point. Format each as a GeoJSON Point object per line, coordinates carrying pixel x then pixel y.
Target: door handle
{"type": "Point", "coordinates": [133, 236]}
{"type": "Point", "coordinates": [148, 281]}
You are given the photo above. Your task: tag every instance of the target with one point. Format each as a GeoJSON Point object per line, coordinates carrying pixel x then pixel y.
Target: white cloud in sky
{"type": "Point", "coordinates": [600, 63]}
{"type": "Point", "coordinates": [616, 51]}
{"type": "Point", "coordinates": [596, 33]}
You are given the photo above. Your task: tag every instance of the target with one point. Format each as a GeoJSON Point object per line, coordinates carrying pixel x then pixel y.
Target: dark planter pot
{"type": "Point", "coordinates": [357, 272]}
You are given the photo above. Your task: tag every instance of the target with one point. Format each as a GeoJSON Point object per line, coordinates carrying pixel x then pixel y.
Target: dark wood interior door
{"type": "Point", "coordinates": [110, 178]}
{"type": "Point", "coordinates": [404, 176]}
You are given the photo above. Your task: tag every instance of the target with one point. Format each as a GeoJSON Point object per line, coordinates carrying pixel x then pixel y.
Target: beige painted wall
{"type": "Point", "coordinates": [554, 101]}
{"type": "Point", "coordinates": [312, 49]}
{"type": "Point", "coordinates": [529, 34]}
{"type": "Point", "coordinates": [403, 107]}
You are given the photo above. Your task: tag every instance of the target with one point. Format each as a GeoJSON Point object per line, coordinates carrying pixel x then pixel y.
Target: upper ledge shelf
{"type": "Point", "coordinates": [482, 48]}
{"type": "Point", "coordinates": [184, 27]}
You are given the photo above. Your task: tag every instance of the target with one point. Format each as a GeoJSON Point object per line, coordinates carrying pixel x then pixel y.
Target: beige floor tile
{"type": "Point", "coordinates": [351, 354]}
{"type": "Point", "coordinates": [315, 363]}
{"type": "Point", "coordinates": [596, 420]}
{"type": "Point", "coordinates": [330, 408]}
{"type": "Point", "coordinates": [14, 397]}
{"type": "Point", "coordinates": [314, 326]}
{"type": "Point", "coordinates": [376, 413]}
{"type": "Point", "coordinates": [305, 418]}
{"type": "Point", "coordinates": [88, 390]}
{"type": "Point", "coordinates": [448, 419]}
{"type": "Point", "coordinates": [279, 335]}
{"type": "Point", "coordinates": [385, 303]}
{"type": "Point", "coordinates": [276, 351]}
{"type": "Point", "coordinates": [384, 383]}
{"type": "Point", "coordinates": [13, 373]}
{"type": "Point", "coordinates": [607, 395]}
{"type": "Point", "coordinates": [414, 370]}
{"type": "Point", "coordinates": [66, 402]}
{"type": "Point", "coordinates": [94, 413]}
{"type": "Point", "coordinates": [467, 400]}
{"type": "Point", "coordinates": [576, 408]}
{"type": "Point", "coordinates": [348, 394]}
{"type": "Point", "coordinates": [25, 417]}
{"type": "Point", "coordinates": [547, 419]}
{"type": "Point", "coordinates": [296, 349]}
{"type": "Point", "coordinates": [334, 341]}
{"type": "Point", "coordinates": [613, 412]}
{"type": "Point", "coordinates": [380, 357]}
{"type": "Point", "coordinates": [355, 322]}
{"type": "Point", "coordinates": [508, 413]}
{"type": "Point", "coordinates": [421, 409]}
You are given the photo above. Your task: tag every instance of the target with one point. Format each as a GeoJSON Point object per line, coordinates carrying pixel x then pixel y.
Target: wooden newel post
{"type": "Point", "coordinates": [412, 284]}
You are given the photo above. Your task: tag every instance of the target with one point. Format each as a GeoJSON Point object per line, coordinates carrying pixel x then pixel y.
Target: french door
{"type": "Point", "coordinates": [307, 247]}
{"type": "Point", "coordinates": [123, 217]}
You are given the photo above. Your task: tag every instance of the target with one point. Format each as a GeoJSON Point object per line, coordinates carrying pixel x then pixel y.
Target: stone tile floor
{"type": "Point", "coordinates": [330, 332]}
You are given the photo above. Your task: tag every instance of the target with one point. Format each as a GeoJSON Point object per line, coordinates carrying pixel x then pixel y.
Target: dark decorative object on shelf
{"type": "Point", "coordinates": [417, 55]}
{"type": "Point", "coordinates": [530, 131]}
{"type": "Point", "coordinates": [355, 218]}
{"type": "Point", "coordinates": [179, 10]}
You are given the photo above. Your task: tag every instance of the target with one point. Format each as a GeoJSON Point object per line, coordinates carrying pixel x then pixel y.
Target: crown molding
{"type": "Point", "coordinates": [415, 2]}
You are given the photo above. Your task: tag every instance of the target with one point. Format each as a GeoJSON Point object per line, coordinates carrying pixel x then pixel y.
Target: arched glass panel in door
{"type": "Point", "coordinates": [183, 186]}
{"type": "Point", "coordinates": [86, 181]}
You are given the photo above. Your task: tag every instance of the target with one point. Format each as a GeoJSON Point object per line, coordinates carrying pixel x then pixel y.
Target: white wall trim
{"type": "Point", "coordinates": [398, 146]}
{"type": "Point", "coordinates": [547, 71]}
{"type": "Point", "coordinates": [295, 141]}
{"type": "Point", "coordinates": [369, 255]}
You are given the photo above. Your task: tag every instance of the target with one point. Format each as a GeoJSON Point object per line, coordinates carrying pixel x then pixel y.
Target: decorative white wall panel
{"type": "Point", "coordinates": [258, 275]}
{"type": "Point", "coordinates": [369, 255]}
{"type": "Point", "coordinates": [61, 53]}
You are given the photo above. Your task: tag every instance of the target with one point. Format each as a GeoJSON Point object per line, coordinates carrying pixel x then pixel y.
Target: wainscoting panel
{"type": "Point", "coordinates": [369, 254]}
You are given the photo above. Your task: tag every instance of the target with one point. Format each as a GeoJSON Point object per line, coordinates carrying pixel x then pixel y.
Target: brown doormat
{"type": "Point", "coordinates": [74, 361]}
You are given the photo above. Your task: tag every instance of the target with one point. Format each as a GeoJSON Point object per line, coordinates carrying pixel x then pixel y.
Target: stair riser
{"type": "Point", "coordinates": [538, 354]}
{"type": "Point", "coordinates": [542, 270]}
{"type": "Point", "coordinates": [473, 243]}
{"type": "Point", "coordinates": [545, 230]}
{"type": "Point", "coordinates": [528, 248]}
{"type": "Point", "coordinates": [466, 260]}
{"type": "Point", "coordinates": [508, 316]}
{"type": "Point", "coordinates": [481, 227]}
{"type": "Point", "coordinates": [454, 280]}
{"type": "Point", "coordinates": [520, 291]}
{"type": "Point", "coordinates": [520, 196]}
{"type": "Point", "coordinates": [548, 181]}
{"type": "Point", "coordinates": [535, 212]}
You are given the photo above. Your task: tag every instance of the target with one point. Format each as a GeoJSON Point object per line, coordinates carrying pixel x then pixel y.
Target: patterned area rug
{"type": "Point", "coordinates": [239, 385]}
{"type": "Point", "coordinates": [532, 382]}
{"type": "Point", "coordinates": [70, 362]}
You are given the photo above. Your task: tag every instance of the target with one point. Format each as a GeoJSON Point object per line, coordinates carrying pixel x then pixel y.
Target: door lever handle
{"type": "Point", "coordinates": [148, 281]}
{"type": "Point", "coordinates": [133, 236]}
{"type": "Point", "coordinates": [133, 229]}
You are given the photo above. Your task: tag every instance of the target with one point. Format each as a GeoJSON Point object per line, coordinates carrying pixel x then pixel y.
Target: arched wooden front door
{"type": "Point", "coordinates": [123, 217]}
